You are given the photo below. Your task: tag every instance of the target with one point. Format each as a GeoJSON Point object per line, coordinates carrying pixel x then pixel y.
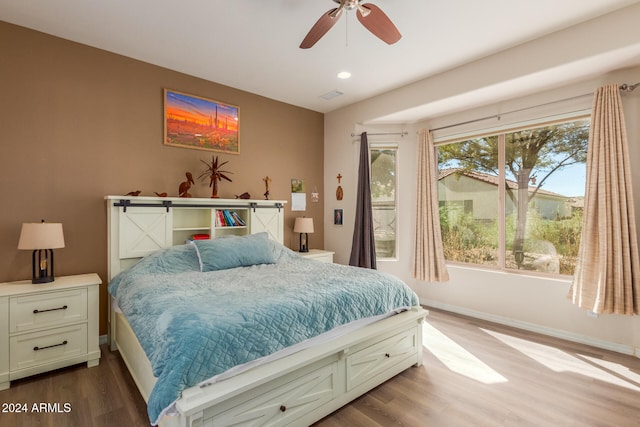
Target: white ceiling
{"type": "Point", "coordinates": [253, 44]}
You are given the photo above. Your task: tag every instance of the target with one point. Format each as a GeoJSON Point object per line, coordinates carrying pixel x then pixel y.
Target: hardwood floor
{"type": "Point", "coordinates": [475, 373]}
{"type": "Point", "coordinates": [491, 375]}
{"type": "Point", "coordinates": [98, 397]}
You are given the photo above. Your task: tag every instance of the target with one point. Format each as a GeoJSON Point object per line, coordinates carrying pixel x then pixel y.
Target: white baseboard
{"type": "Point", "coordinates": [104, 339]}
{"type": "Point", "coordinates": [532, 327]}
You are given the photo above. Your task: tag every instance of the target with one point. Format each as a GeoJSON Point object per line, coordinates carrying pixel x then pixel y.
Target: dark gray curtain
{"type": "Point", "coordinates": [363, 248]}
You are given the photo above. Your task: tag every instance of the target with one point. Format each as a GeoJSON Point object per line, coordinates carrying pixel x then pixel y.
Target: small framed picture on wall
{"type": "Point", "coordinates": [337, 217]}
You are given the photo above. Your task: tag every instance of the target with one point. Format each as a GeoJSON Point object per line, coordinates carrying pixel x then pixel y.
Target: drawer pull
{"type": "Point", "coordinates": [283, 408]}
{"type": "Point", "coordinates": [387, 355]}
{"type": "Point", "coordinates": [36, 348]}
{"type": "Point", "coordinates": [36, 311]}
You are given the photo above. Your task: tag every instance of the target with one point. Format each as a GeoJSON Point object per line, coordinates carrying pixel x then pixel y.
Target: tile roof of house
{"type": "Point", "coordinates": [492, 179]}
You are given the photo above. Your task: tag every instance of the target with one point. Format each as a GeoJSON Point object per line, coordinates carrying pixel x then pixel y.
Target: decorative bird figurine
{"type": "Point", "coordinates": [183, 190]}
{"type": "Point", "coordinates": [161, 194]}
{"type": "Point", "coordinates": [244, 195]}
{"type": "Point", "coordinates": [133, 193]}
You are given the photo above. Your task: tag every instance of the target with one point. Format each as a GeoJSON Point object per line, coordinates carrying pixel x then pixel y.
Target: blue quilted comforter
{"type": "Point", "coordinates": [194, 325]}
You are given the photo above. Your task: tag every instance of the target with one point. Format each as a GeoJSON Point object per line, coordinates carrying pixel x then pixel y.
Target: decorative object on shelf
{"type": "Point", "coordinates": [315, 196]}
{"type": "Point", "coordinates": [183, 190]}
{"type": "Point", "coordinates": [42, 238]}
{"type": "Point", "coordinates": [267, 181]}
{"type": "Point", "coordinates": [339, 192]}
{"type": "Point", "coordinates": [160, 194]}
{"type": "Point", "coordinates": [243, 196]}
{"type": "Point", "coordinates": [200, 123]}
{"type": "Point", "coordinates": [134, 193]}
{"type": "Point", "coordinates": [337, 216]}
{"type": "Point", "coordinates": [215, 174]}
{"type": "Point", "coordinates": [228, 218]}
{"type": "Point", "coordinates": [304, 226]}
{"type": "Point", "coordinates": [200, 236]}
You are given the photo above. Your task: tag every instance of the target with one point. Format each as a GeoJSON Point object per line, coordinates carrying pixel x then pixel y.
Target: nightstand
{"type": "Point", "coordinates": [319, 255]}
{"type": "Point", "coordinates": [48, 326]}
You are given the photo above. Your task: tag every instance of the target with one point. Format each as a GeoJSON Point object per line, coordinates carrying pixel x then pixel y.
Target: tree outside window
{"type": "Point", "coordinates": [534, 198]}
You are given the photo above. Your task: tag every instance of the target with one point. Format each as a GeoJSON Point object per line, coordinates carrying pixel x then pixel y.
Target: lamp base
{"type": "Point", "coordinates": [304, 243]}
{"type": "Point", "coordinates": [42, 271]}
{"type": "Point", "coordinates": [45, 279]}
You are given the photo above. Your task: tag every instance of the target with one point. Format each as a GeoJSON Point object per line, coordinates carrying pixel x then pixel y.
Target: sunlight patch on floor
{"type": "Point", "coordinates": [618, 369]}
{"type": "Point", "coordinates": [560, 361]}
{"type": "Point", "coordinates": [457, 358]}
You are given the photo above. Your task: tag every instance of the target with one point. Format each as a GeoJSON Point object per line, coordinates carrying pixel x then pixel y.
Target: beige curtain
{"type": "Point", "coordinates": [428, 262]}
{"type": "Point", "coordinates": [608, 273]}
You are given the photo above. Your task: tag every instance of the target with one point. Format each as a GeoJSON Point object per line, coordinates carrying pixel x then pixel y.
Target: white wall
{"type": "Point", "coordinates": [530, 302]}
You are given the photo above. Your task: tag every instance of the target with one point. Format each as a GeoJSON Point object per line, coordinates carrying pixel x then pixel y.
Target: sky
{"type": "Point", "coordinates": [569, 181]}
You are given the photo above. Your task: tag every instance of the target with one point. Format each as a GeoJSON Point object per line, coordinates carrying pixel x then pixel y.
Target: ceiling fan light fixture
{"type": "Point", "coordinates": [368, 14]}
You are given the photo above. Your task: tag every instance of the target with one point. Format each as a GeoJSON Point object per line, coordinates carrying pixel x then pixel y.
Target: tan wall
{"type": "Point", "coordinates": [78, 123]}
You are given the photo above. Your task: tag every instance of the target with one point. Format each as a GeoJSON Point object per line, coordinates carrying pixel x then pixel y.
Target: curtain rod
{"type": "Point", "coordinates": [623, 87]}
{"type": "Point", "coordinates": [402, 134]}
{"type": "Point", "coordinates": [629, 88]}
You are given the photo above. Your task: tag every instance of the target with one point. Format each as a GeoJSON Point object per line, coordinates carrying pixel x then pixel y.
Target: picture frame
{"type": "Point", "coordinates": [297, 185]}
{"type": "Point", "coordinates": [192, 121]}
{"type": "Point", "coordinates": [338, 214]}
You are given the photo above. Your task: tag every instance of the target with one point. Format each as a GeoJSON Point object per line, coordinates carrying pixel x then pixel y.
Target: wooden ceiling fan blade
{"type": "Point", "coordinates": [320, 28]}
{"type": "Point", "coordinates": [379, 24]}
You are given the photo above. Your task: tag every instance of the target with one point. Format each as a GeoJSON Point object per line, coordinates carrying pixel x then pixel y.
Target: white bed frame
{"type": "Point", "coordinates": [298, 389]}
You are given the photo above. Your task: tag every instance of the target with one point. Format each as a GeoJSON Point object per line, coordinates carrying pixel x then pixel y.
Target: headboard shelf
{"type": "Point", "coordinates": [138, 226]}
{"type": "Point", "coordinates": [125, 203]}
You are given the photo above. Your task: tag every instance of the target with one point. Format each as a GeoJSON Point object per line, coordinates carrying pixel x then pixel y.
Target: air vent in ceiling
{"type": "Point", "coordinates": [331, 95]}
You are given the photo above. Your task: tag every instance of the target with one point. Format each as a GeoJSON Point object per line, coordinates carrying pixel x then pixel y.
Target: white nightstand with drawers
{"type": "Point", "coordinates": [48, 326]}
{"type": "Point", "coordinates": [319, 255]}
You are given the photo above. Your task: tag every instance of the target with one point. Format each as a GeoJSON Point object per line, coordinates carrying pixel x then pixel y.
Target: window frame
{"type": "Point", "coordinates": [396, 148]}
{"type": "Point", "coordinates": [501, 133]}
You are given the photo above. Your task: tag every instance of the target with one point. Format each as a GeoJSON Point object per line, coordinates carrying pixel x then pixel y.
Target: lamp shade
{"type": "Point", "coordinates": [303, 225]}
{"type": "Point", "coordinates": [41, 235]}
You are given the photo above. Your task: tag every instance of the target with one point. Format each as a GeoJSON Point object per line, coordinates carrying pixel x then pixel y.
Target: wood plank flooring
{"type": "Point", "coordinates": [475, 373]}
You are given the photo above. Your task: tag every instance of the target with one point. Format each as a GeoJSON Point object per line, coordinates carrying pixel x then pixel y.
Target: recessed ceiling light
{"type": "Point", "coordinates": [344, 75]}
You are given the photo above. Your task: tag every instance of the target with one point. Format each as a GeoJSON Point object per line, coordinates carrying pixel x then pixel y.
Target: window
{"type": "Point", "coordinates": [514, 200]}
{"type": "Point", "coordinates": [383, 199]}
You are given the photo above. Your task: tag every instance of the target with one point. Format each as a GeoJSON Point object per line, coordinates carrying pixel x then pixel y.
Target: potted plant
{"type": "Point", "coordinates": [215, 174]}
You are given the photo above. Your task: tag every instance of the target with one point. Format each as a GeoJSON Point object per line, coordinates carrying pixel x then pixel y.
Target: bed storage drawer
{"type": "Point", "coordinates": [284, 402]}
{"type": "Point", "coordinates": [47, 309]}
{"type": "Point", "coordinates": [42, 347]}
{"type": "Point", "coordinates": [377, 358]}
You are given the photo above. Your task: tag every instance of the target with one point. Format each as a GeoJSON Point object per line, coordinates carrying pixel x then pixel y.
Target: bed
{"type": "Point", "coordinates": [209, 364]}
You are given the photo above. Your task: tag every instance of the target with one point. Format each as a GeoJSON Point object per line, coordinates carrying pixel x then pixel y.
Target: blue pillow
{"type": "Point", "coordinates": [234, 251]}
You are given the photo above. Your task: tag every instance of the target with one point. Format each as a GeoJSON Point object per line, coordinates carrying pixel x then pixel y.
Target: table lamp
{"type": "Point", "coordinates": [304, 226]}
{"type": "Point", "coordinates": [41, 237]}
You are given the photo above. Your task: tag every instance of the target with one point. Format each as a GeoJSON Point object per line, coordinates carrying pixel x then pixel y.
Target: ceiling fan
{"type": "Point", "coordinates": [368, 14]}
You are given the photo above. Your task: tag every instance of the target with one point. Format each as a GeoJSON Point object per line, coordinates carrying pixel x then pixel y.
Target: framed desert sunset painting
{"type": "Point", "coordinates": [194, 122]}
